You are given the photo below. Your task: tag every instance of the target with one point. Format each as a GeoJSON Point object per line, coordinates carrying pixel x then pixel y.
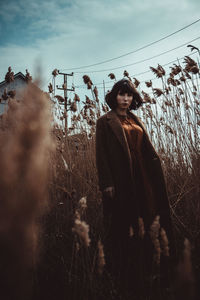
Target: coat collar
{"type": "Point", "coordinates": [112, 115]}
{"type": "Point", "coordinates": [118, 130]}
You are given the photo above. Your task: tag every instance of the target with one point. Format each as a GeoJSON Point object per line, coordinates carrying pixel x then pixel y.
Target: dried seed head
{"type": "Point", "coordinates": [148, 83]}
{"type": "Point", "coordinates": [180, 91]}
{"type": "Point", "coordinates": [95, 90]}
{"type": "Point", "coordinates": [112, 76]}
{"type": "Point", "coordinates": [73, 107]}
{"type": "Point", "coordinates": [12, 94]}
{"type": "Point", "coordinates": [55, 72]}
{"type": "Point", "coordinates": [191, 65]}
{"type": "Point", "coordinates": [87, 79]}
{"type": "Point", "coordinates": [182, 78]}
{"type": "Point", "coordinates": [9, 75]}
{"type": "Point", "coordinates": [159, 72]}
{"type": "Point", "coordinates": [136, 82]}
{"type": "Point", "coordinates": [81, 229]}
{"type": "Point", "coordinates": [176, 69]}
{"type": "Point", "coordinates": [164, 242]}
{"type": "Point", "coordinates": [76, 98]}
{"type": "Point", "coordinates": [50, 87]}
{"type": "Point", "coordinates": [101, 258]}
{"type": "Point", "coordinates": [171, 81]}
{"type": "Point", "coordinates": [157, 92]}
{"type": "Point", "coordinates": [147, 98]}
{"type": "Point", "coordinates": [154, 234]}
{"type": "Point", "coordinates": [28, 77]}
{"type": "Point", "coordinates": [60, 98]}
{"type": "Point", "coordinates": [141, 228]}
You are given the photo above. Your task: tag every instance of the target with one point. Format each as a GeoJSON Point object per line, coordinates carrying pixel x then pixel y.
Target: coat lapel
{"type": "Point", "coordinates": [115, 124]}
{"type": "Point", "coordinates": [150, 146]}
{"type": "Point", "coordinates": [118, 130]}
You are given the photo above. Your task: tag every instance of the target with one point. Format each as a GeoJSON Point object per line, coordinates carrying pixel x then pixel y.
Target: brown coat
{"type": "Point", "coordinates": [115, 168]}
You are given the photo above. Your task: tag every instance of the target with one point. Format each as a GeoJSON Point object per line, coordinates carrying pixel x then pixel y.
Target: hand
{"type": "Point", "coordinates": [109, 191]}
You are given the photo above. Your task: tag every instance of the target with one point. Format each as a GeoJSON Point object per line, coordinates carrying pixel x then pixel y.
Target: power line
{"type": "Point", "coordinates": [138, 62]}
{"type": "Point", "coordinates": [141, 73]}
{"type": "Point", "coordinates": [134, 51]}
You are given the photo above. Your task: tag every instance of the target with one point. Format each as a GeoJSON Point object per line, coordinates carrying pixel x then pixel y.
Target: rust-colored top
{"type": "Point", "coordinates": [134, 135]}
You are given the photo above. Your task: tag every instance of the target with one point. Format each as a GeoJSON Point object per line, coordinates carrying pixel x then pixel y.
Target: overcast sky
{"type": "Point", "coordinates": [67, 34]}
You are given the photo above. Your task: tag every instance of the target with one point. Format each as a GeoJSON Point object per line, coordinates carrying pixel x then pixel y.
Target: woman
{"type": "Point", "coordinates": [132, 184]}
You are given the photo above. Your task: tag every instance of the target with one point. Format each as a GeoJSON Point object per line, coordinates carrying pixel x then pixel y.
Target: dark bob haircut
{"type": "Point", "coordinates": [124, 86]}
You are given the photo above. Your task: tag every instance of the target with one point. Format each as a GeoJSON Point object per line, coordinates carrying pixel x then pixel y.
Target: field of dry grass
{"type": "Point", "coordinates": [51, 211]}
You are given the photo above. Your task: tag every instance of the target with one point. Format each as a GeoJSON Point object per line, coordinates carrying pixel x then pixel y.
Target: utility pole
{"type": "Point", "coordinates": [65, 89]}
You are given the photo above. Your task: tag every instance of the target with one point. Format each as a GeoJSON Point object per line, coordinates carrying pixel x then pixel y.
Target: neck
{"type": "Point", "coordinates": [121, 112]}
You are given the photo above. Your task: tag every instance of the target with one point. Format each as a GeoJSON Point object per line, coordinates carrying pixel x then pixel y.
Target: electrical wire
{"type": "Point", "coordinates": [134, 51]}
{"type": "Point", "coordinates": [138, 74]}
{"type": "Point", "coordinates": [140, 61]}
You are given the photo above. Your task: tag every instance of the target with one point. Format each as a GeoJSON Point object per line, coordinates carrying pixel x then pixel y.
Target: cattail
{"type": "Point", "coordinates": [28, 77]}
{"type": "Point", "coordinates": [92, 114]}
{"type": "Point", "coordinates": [182, 78]}
{"type": "Point", "coordinates": [60, 98]}
{"type": "Point", "coordinates": [147, 98]}
{"type": "Point", "coordinates": [88, 101]}
{"type": "Point", "coordinates": [73, 107]}
{"type": "Point", "coordinates": [168, 103]}
{"type": "Point", "coordinates": [180, 91]}
{"type": "Point", "coordinates": [164, 242]}
{"type": "Point", "coordinates": [50, 87]}
{"type": "Point", "coordinates": [5, 95]}
{"type": "Point", "coordinates": [95, 90]}
{"type": "Point", "coordinates": [81, 229]}
{"type": "Point", "coordinates": [91, 122]}
{"type": "Point", "coordinates": [55, 72]}
{"type": "Point", "coordinates": [148, 83]}
{"type": "Point", "coordinates": [23, 186]}
{"type": "Point", "coordinates": [159, 72]}
{"type": "Point", "coordinates": [176, 69]}
{"type": "Point", "coordinates": [154, 234]}
{"type": "Point", "coordinates": [177, 82]}
{"type": "Point", "coordinates": [157, 92]}
{"type": "Point", "coordinates": [126, 74]}
{"type": "Point", "coordinates": [187, 74]}
{"type": "Point", "coordinates": [76, 98]}
{"type": "Point", "coordinates": [87, 81]}
{"type": "Point", "coordinates": [82, 205]}
{"type": "Point", "coordinates": [9, 75]}
{"type": "Point", "coordinates": [171, 81]}
{"type": "Point", "coordinates": [101, 258]}
{"type": "Point", "coordinates": [112, 76]}
{"type": "Point", "coordinates": [141, 228]}
{"type": "Point", "coordinates": [12, 94]}
{"type": "Point", "coordinates": [191, 65]}
{"type": "Point", "coordinates": [136, 82]}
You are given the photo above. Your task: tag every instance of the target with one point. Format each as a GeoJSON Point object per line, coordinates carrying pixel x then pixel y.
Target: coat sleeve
{"type": "Point", "coordinates": [102, 161]}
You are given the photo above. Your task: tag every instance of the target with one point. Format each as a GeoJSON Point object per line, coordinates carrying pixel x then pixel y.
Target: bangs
{"type": "Point", "coordinates": [126, 88]}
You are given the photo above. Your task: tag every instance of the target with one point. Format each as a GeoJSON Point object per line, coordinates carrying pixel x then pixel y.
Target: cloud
{"type": "Point", "coordinates": [74, 33]}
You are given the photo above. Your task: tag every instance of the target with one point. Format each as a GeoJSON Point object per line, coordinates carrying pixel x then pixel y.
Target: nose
{"type": "Point", "coordinates": [125, 97]}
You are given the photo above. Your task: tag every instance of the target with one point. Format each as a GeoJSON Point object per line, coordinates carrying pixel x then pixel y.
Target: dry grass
{"type": "Point", "coordinates": [25, 144]}
{"type": "Point", "coordinates": [72, 261]}
{"type": "Point", "coordinates": [171, 114]}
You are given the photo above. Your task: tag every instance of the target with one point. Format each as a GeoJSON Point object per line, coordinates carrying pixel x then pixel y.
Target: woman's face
{"type": "Point", "coordinates": [124, 100]}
